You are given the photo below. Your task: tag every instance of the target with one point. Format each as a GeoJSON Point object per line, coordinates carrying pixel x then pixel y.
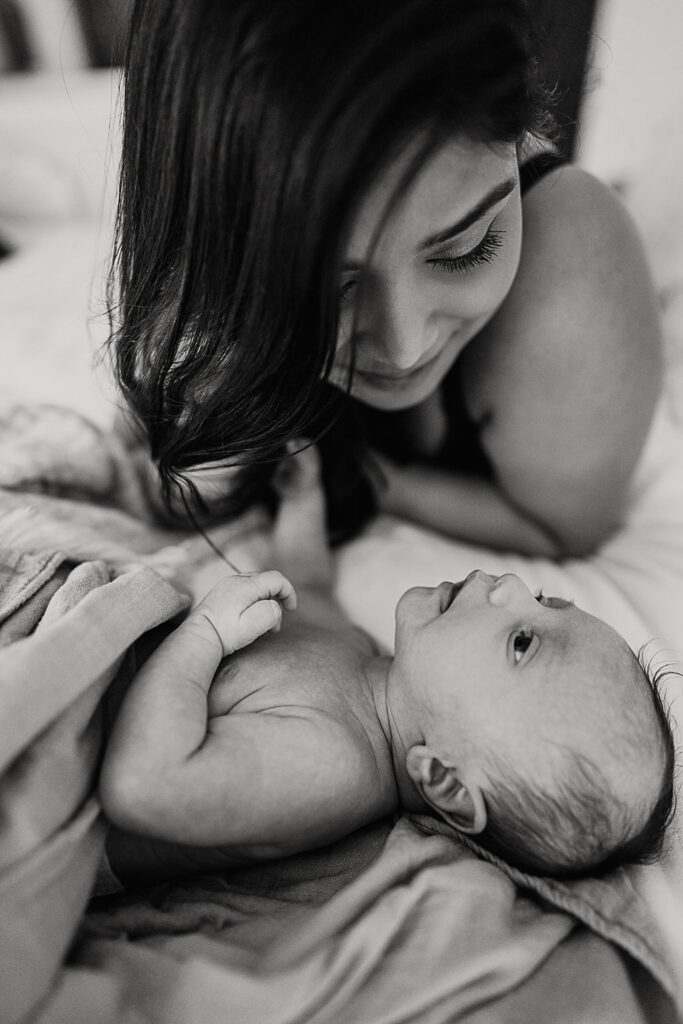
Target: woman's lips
{"type": "Point", "coordinates": [396, 378]}
{"type": "Point", "coordinates": [392, 380]}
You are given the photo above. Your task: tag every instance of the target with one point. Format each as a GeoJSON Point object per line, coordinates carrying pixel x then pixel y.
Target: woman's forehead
{"type": "Point", "coordinates": [452, 181]}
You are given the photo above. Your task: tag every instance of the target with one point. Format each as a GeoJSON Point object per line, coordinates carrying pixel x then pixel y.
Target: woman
{"type": "Point", "coordinates": [344, 221]}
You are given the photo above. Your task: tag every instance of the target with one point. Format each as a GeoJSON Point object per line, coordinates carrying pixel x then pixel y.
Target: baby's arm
{"type": "Point", "coordinates": [262, 784]}
{"type": "Point", "coordinates": [163, 720]}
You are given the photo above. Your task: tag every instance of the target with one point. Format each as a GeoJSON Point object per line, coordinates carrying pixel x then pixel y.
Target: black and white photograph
{"type": "Point", "coordinates": [341, 512]}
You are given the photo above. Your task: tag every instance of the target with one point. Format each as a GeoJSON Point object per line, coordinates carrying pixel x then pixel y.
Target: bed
{"type": "Point", "coordinates": [397, 923]}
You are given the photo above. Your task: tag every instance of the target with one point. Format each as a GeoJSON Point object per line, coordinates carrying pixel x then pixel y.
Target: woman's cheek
{"type": "Point", "coordinates": [472, 298]}
{"type": "Point", "coordinates": [499, 283]}
{"type": "Point", "coordinates": [511, 251]}
{"type": "Point", "coordinates": [478, 294]}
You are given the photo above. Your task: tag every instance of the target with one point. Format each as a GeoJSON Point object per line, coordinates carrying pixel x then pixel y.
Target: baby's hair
{"type": "Point", "coordinates": [579, 829]}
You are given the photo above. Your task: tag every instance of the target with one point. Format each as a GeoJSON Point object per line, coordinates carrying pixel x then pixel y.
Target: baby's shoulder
{"type": "Point", "coordinates": [313, 671]}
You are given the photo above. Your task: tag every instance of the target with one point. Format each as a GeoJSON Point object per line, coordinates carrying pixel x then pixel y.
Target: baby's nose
{"type": "Point", "coordinates": [508, 589]}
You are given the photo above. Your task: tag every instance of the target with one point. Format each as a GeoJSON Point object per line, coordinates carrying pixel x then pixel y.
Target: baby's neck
{"type": "Point", "coordinates": [397, 739]}
{"type": "Point", "coordinates": [318, 608]}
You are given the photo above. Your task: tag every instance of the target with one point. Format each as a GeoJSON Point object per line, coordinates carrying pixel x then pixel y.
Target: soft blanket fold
{"type": "Point", "coordinates": [397, 923]}
{"type": "Point", "coordinates": [425, 931]}
{"type": "Point", "coordinates": [51, 685]}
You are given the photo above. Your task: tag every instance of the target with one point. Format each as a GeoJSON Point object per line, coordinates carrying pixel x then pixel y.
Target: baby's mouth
{"type": "Point", "coordinates": [449, 592]}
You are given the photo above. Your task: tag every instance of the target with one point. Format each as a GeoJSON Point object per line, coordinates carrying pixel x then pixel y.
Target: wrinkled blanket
{"type": "Point", "coordinates": [398, 923]}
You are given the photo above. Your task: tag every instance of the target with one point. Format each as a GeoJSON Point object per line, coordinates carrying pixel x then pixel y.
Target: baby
{"type": "Point", "coordinates": [518, 719]}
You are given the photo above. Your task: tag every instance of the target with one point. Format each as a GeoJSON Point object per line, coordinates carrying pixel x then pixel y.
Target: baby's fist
{"type": "Point", "coordinates": [242, 608]}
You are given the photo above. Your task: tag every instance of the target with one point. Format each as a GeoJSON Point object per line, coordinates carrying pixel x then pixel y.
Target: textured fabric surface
{"type": "Point", "coordinates": [51, 684]}
{"type": "Point", "coordinates": [396, 924]}
{"type": "Point", "coordinates": [401, 923]}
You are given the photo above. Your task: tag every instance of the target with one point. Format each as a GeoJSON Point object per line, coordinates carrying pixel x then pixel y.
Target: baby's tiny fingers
{"type": "Point", "coordinates": [272, 584]}
{"type": "Point", "coordinates": [257, 619]}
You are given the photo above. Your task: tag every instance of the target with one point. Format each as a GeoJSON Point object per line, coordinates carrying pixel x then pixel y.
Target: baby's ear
{"type": "Point", "coordinates": [456, 798]}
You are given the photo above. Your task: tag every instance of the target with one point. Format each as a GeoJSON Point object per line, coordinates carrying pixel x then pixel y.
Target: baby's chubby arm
{"type": "Point", "coordinates": [163, 721]}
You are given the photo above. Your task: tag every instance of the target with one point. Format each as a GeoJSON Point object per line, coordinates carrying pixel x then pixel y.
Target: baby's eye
{"type": "Point", "coordinates": [521, 642]}
{"type": "Point", "coordinates": [552, 602]}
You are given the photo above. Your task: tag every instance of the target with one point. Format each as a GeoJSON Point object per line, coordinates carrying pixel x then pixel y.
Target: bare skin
{"type": "Point", "coordinates": [220, 736]}
{"type": "Point", "coordinates": [559, 336]}
{"type": "Point", "coordinates": [256, 730]}
{"type": "Point", "coordinates": [556, 328]}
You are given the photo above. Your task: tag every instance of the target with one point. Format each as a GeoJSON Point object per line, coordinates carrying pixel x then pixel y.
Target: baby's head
{"type": "Point", "coordinates": [531, 725]}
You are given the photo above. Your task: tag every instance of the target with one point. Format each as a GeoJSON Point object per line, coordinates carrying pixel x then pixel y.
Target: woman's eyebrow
{"type": "Point", "coordinates": [496, 195]}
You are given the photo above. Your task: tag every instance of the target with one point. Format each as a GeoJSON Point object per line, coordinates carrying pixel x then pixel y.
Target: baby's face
{"type": "Point", "coordinates": [505, 671]}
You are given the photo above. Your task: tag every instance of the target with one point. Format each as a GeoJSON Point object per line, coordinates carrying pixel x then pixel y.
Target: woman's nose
{"type": "Point", "coordinates": [508, 590]}
{"type": "Point", "coordinates": [407, 338]}
{"type": "Point", "coordinates": [406, 333]}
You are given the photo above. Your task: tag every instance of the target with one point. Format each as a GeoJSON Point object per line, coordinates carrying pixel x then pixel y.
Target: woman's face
{"type": "Point", "coordinates": [442, 265]}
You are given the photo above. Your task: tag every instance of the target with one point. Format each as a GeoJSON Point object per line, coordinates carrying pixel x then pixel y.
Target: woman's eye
{"type": "Point", "coordinates": [482, 253]}
{"type": "Point", "coordinates": [521, 642]}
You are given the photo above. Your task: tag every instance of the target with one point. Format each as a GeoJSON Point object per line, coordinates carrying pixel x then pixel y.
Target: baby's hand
{"type": "Point", "coordinates": [241, 608]}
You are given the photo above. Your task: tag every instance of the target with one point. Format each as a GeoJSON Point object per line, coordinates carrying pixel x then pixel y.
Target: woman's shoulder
{"type": "Point", "coordinates": [564, 378]}
{"type": "Point", "coordinates": [582, 300]}
{"type": "Point", "coordinates": [542, 163]}
{"type": "Point", "coordinates": [581, 261]}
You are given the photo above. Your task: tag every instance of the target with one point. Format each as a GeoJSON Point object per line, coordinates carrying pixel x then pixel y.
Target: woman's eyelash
{"type": "Point", "coordinates": [540, 596]}
{"type": "Point", "coordinates": [483, 253]}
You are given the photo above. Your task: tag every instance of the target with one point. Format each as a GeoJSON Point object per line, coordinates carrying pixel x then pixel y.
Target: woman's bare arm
{"type": "Point", "coordinates": [463, 506]}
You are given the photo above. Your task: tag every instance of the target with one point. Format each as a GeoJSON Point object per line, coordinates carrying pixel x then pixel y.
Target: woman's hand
{"type": "Point", "coordinates": [240, 609]}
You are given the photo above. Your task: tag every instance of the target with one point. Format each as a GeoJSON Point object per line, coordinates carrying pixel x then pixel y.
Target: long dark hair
{"type": "Point", "coordinates": [252, 128]}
